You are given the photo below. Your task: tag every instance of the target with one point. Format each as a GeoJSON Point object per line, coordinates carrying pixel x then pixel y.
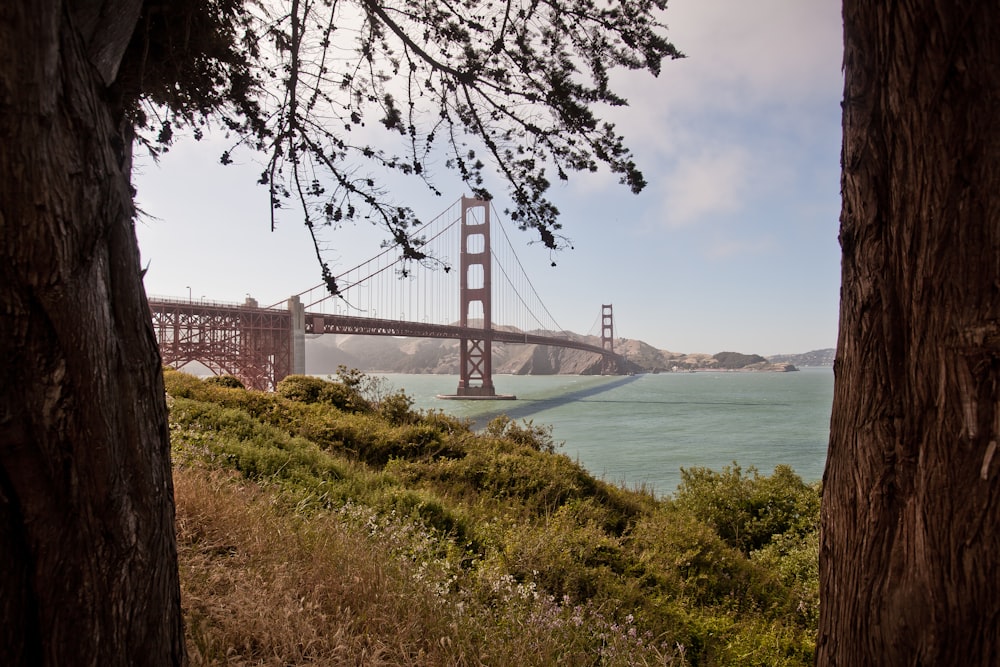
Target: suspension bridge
{"type": "Point", "coordinates": [262, 345]}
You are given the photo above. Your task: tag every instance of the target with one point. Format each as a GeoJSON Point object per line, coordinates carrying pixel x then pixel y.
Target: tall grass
{"type": "Point", "coordinates": [319, 525]}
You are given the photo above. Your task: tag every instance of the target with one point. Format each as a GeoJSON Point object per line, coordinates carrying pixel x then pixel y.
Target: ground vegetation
{"type": "Point", "coordinates": [311, 529]}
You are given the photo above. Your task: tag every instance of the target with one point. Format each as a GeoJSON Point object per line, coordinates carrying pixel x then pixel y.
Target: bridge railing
{"type": "Point", "coordinates": [211, 303]}
{"type": "Point", "coordinates": [318, 323]}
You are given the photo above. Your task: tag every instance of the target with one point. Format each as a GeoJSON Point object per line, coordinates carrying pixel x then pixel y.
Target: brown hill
{"type": "Point", "coordinates": [425, 355]}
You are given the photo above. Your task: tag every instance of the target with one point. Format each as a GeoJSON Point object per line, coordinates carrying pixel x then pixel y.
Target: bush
{"type": "Point", "coordinates": [395, 408]}
{"type": "Point", "coordinates": [749, 510]}
{"type": "Point", "coordinates": [302, 388]}
{"type": "Point", "coordinates": [568, 558]}
{"type": "Point", "coordinates": [527, 434]}
{"type": "Point", "coordinates": [181, 385]}
{"type": "Point", "coordinates": [207, 434]}
{"type": "Point", "coordinates": [795, 561]}
{"type": "Point", "coordinates": [227, 381]}
{"type": "Point", "coordinates": [308, 389]}
{"type": "Point", "coordinates": [686, 559]}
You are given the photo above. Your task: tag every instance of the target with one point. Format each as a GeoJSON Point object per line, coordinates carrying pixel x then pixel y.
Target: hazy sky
{"type": "Point", "coordinates": [732, 246]}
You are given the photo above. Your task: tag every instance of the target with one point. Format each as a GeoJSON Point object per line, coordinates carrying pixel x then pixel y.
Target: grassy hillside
{"type": "Point", "coordinates": [331, 524]}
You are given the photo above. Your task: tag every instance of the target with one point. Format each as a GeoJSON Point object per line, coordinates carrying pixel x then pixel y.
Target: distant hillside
{"type": "Point", "coordinates": [736, 360]}
{"type": "Point", "coordinates": [822, 357]}
{"type": "Point", "coordinates": [425, 355]}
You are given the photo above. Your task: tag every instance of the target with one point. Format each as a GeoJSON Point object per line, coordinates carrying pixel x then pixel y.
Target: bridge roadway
{"type": "Point", "coordinates": [318, 323]}
{"type": "Point", "coordinates": [263, 345]}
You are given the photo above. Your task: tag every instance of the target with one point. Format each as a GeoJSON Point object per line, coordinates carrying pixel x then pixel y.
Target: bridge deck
{"type": "Point", "coordinates": [255, 344]}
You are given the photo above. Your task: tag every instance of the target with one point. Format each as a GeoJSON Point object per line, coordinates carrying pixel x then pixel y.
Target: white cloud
{"type": "Point", "coordinates": [759, 53]}
{"type": "Point", "coordinates": [737, 118]}
{"type": "Point", "coordinates": [707, 184]}
{"type": "Point", "coordinates": [780, 58]}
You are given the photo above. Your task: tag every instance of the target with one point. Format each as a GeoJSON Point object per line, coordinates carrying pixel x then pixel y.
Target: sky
{"type": "Point", "coordinates": [732, 246]}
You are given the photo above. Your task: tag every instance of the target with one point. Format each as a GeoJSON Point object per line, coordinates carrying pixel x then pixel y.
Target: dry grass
{"type": "Point", "coordinates": [263, 585]}
{"type": "Point", "coordinates": [263, 588]}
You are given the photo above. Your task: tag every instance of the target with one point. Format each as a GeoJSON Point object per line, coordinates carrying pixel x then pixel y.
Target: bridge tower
{"type": "Point", "coordinates": [476, 353]}
{"type": "Point", "coordinates": [297, 340]}
{"type": "Point", "coordinates": [607, 337]}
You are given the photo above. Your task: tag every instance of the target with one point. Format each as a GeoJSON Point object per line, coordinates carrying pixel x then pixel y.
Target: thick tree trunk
{"type": "Point", "coordinates": [88, 569]}
{"type": "Point", "coordinates": [910, 550]}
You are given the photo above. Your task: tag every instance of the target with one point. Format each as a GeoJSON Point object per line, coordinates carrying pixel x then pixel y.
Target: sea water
{"type": "Point", "coordinates": [641, 430]}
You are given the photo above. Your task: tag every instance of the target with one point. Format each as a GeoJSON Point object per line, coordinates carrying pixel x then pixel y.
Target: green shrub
{"type": "Point", "coordinates": [302, 388]}
{"type": "Point", "coordinates": [690, 560]}
{"type": "Point", "coordinates": [228, 381]}
{"type": "Point", "coordinates": [396, 409]}
{"type": "Point", "coordinates": [566, 556]}
{"type": "Point", "coordinates": [749, 510]}
{"type": "Point", "coordinates": [179, 384]}
{"type": "Point", "coordinates": [308, 389]}
{"type": "Point", "coordinates": [755, 642]}
{"type": "Point", "coordinates": [538, 484]}
{"type": "Point", "coordinates": [795, 560]}
{"type": "Point", "coordinates": [446, 423]}
{"type": "Point", "coordinates": [527, 434]}
{"type": "Point", "coordinates": [431, 511]}
{"type": "Point", "coordinates": [230, 438]}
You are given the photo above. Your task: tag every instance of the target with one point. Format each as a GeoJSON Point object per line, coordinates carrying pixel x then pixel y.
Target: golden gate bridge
{"type": "Point", "coordinates": [262, 345]}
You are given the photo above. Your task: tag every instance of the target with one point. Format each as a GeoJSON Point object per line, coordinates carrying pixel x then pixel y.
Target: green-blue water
{"type": "Point", "coordinates": [640, 430]}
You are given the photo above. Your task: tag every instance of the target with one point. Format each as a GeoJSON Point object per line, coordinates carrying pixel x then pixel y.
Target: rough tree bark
{"type": "Point", "coordinates": [88, 567]}
{"type": "Point", "coordinates": [910, 548]}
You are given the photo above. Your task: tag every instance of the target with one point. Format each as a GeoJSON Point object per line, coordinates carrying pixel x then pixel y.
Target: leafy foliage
{"type": "Point", "coordinates": [308, 389]}
{"type": "Point", "coordinates": [515, 85]}
{"type": "Point", "coordinates": [538, 438]}
{"type": "Point", "coordinates": [230, 381]}
{"type": "Point", "coordinates": [748, 511]}
{"type": "Point", "coordinates": [508, 541]}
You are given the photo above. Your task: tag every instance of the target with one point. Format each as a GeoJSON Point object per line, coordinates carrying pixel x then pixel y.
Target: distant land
{"type": "Point", "coordinates": [425, 355]}
{"type": "Point", "coordinates": [822, 357]}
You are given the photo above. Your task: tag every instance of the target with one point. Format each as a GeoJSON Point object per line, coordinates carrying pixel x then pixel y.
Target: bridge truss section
{"type": "Point", "coordinates": [253, 344]}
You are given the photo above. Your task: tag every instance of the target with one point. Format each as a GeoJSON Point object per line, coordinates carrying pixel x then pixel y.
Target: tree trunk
{"type": "Point", "coordinates": [88, 566]}
{"type": "Point", "coordinates": [910, 549]}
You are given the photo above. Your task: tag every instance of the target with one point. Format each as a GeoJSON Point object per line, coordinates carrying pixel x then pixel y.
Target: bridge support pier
{"type": "Point", "coordinates": [298, 336]}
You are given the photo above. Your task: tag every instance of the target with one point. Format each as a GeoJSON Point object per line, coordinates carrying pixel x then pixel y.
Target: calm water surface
{"type": "Point", "coordinates": [640, 430]}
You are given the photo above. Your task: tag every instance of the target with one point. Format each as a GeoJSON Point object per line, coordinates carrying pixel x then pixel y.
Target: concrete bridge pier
{"type": "Point", "coordinates": [297, 340]}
